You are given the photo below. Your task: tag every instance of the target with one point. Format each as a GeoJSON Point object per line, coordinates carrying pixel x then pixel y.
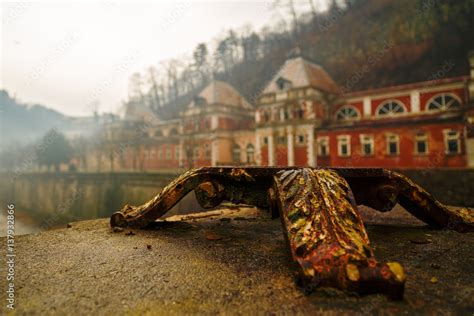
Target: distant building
{"type": "Point", "coordinates": [302, 118]}
{"type": "Point", "coordinates": [217, 128]}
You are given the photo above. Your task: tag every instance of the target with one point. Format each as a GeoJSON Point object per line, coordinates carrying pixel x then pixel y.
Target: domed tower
{"type": "Point", "coordinates": [292, 105]}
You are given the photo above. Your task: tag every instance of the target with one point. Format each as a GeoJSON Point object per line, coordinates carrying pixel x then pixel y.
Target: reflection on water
{"type": "Point", "coordinates": [20, 227]}
{"type": "Point", "coordinates": [25, 221]}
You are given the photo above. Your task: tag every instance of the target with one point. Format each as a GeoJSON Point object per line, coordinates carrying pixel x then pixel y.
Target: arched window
{"type": "Point", "coordinates": [299, 112]}
{"type": "Point", "coordinates": [389, 108]}
{"type": "Point", "coordinates": [236, 153]}
{"type": "Point", "coordinates": [266, 116]}
{"type": "Point", "coordinates": [158, 133]}
{"type": "Point", "coordinates": [442, 101]}
{"type": "Point", "coordinates": [250, 153]}
{"type": "Point", "coordinates": [173, 132]}
{"type": "Point", "coordinates": [347, 113]}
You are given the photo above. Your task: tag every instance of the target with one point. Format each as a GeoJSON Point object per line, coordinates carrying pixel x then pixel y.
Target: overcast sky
{"type": "Point", "coordinates": [68, 56]}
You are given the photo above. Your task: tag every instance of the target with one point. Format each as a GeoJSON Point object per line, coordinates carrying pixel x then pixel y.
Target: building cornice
{"type": "Point", "coordinates": [401, 89]}
{"type": "Point", "coordinates": [457, 116]}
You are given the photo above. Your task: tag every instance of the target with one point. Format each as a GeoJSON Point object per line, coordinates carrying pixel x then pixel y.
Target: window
{"type": "Point", "coordinates": [160, 154]}
{"type": "Point", "coordinates": [276, 115]}
{"type": "Point", "coordinates": [283, 84]}
{"type": "Point", "coordinates": [196, 153]}
{"type": "Point", "coordinates": [393, 144]}
{"type": "Point", "coordinates": [323, 146]}
{"type": "Point", "coordinates": [299, 113]}
{"type": "Point", "coordinates": [281, 140]}
{"type": "Point", "coordinates": [196, 125]}
{"type": "Point", "coordinates": [344, 146]}
{"type": "Point", "coordinates": [443, 102]}
{"type": "Point", "coordinates": [367, 145]}
{"type": "Point", "coordinates": [421, 143]}
{"type": "Point", "coordinates": [300, 139]}
{"type": "Point", "coordinates": [207, 151]}
{"type": "Point", "coordinates": [168, 153]}
{"type": "Point", "coordinates": [176, 153]}
{"type": "Point", "coordinates": [266, 116]}
{"type": "Point", "coordinates": [265, 140]}
{"type": "Point", "coordinates": [390, 108]}
{"type": "Point", "coordinates": [236, 153]}
{"type": "Point", "coordinates": [347, 113]}
{"type": "Point", "coordinates": [158, 133]}
{"type": "Point", "coordinates": [250, 153]}
{"type": "Point", "coordinates": [452, 142]}
{"type": "Point", "coordinates": [199, 101]}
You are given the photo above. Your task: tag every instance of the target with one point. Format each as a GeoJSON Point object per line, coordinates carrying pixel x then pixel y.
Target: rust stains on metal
{"type": "Point", "coordinates": [241, 173]}
{"type": "Point", "coordinates": [208, 188]}
{"type": "Point", "coordinates": [327, 238]}
{"type": "Point", "coordinates": [318, 210]}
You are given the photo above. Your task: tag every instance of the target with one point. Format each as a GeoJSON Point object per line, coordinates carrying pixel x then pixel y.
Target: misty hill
{"type": "Point", "coordinates": [362, 44]}
{"type": "Point", "coordinates": [21, 123]}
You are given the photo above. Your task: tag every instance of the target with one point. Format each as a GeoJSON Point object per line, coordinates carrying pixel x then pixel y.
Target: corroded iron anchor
{"type": "Point", "coordinates": [318, 210]}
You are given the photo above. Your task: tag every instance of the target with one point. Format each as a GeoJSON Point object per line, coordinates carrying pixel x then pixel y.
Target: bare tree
{"type": "Point", "coordinates": [189, 78]}
{"type": "Point", "coordinates": [201, 61]}
{"type": "Point", "coordinates": [294, 16]}
{"type": "Point", "coordinates": [135, 85]}
{"type": "Point", "coordinates": [154, 92]}
{"type": "Point", "coordinates": [313, 9]}
{"type": "Point", "coordinates": [221, 56]}
{"type": "Point", "coordinates": [251, 47]}
{"type": "Point", "coordinates": [172, 78]}
{"type": "Point", "coordinates": [233, 47]}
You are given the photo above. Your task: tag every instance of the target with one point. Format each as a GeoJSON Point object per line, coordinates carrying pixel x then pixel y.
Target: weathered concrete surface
{"type": "Point", "coordinates": [232, 263]}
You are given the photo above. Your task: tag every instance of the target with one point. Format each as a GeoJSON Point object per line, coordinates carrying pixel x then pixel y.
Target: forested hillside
{"type": "Point", "coordinates": [361, 43]}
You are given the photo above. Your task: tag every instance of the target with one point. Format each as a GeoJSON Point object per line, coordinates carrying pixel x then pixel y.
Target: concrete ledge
{"type": "Point", "coordinates": [233, 261]}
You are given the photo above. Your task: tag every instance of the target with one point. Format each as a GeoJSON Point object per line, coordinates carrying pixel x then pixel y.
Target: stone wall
{"type": "Point", "coordinates": [52, 199]}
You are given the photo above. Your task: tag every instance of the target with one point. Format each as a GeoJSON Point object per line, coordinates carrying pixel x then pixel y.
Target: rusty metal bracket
{"type": "Point", "coordinates": [318, 210]}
